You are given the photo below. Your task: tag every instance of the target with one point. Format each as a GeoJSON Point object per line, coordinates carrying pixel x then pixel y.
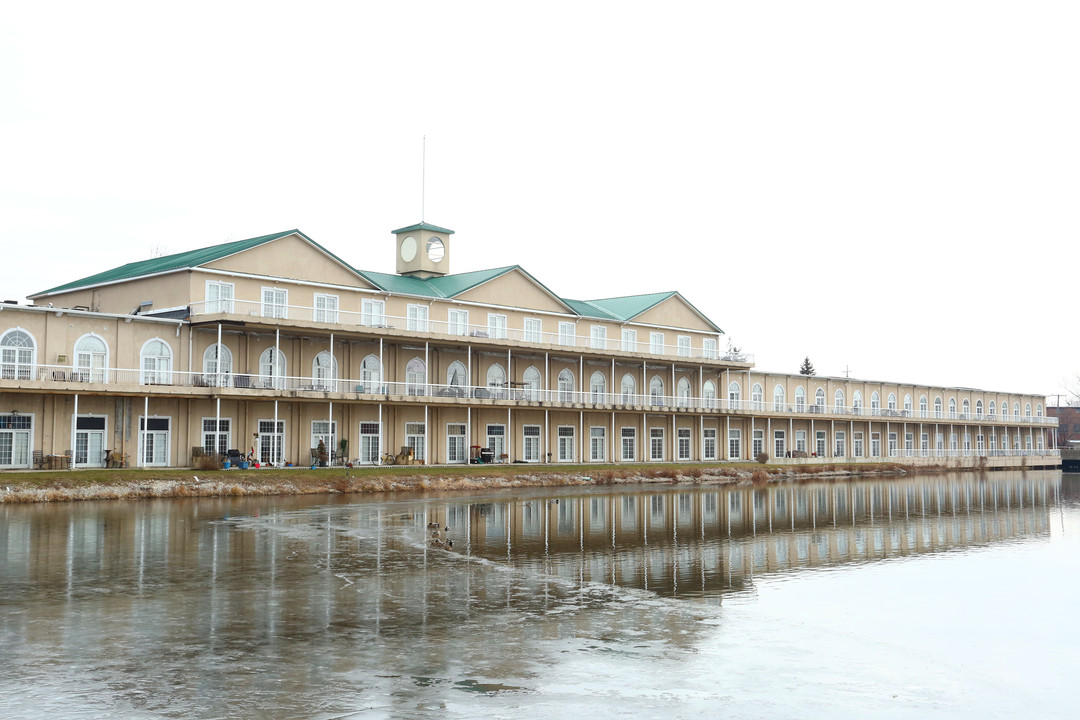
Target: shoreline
{"type": "Point", "coordinates": [132, 484]}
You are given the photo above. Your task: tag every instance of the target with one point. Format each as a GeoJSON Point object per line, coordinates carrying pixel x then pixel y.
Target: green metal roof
{"type": "Point", "coordinates": [169, 263]}
{"type": "Point", "coordinates": [422, 226]}
{"type": "Point", "coordinates": [618, 309]}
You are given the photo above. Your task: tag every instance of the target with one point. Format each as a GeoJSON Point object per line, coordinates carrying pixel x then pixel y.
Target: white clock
{"type": "Point", "coordinates": [408, 249]}
{"type": "Point", "coordinates": [435, 249]}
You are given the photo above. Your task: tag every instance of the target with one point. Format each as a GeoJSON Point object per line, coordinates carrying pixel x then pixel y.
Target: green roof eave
{"type": "Point", "coordinates": [422, 226]}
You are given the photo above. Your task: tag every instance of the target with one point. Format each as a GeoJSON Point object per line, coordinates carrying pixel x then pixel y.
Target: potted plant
{"type": "Point", "coordinates": [343, 449]}
{"type": "Point", "coordinates": [323, 456]}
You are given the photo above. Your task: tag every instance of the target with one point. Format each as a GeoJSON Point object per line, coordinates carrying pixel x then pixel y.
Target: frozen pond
{"type": "Point", "coordinates": [947, 596]}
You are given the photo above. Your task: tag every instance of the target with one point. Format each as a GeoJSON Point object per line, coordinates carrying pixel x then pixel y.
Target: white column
{"type": "Point", "coordinates": [274, 450]}
{"type": "Point", "coordinates": [74, 422]}
{"type": "Point", "coordinates": [273, 371]}
{"type": "Point", "coordinates": [217, 357]}
{"type": "Point", "coordinates": [379, 452]}
{"type": "Point", "coordinates": [143, 433]}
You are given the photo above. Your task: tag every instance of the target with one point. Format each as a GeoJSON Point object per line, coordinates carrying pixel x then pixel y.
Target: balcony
{"type": "Point", "coordinates": [492, 333]}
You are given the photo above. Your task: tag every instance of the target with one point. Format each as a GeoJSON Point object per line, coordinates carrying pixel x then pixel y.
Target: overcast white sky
{"type": "Point", "coordinates": [886, 187]}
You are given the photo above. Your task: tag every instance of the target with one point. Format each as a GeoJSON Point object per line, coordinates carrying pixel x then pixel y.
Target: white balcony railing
{"type": "Point", "coordinates": [351, 388]}
{"type": "Point", "coordinates": [490, 331]}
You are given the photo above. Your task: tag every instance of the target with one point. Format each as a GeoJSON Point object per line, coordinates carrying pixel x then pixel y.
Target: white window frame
{"type": "Point", "coordinates": [415, 433]}
{"type": "Point", "coordinates": [534, 330]}
{"type": "Point", "coordinates": [456, 435]}
{"type": "Point", "coordinates": [734, 444]}
{"type": "Point", "coordinates": [708, 439]}
{"type": "Point", "coordinates": [225, 300]}
{"type": "Point", "coordinates": [684, 345]}
{"type": "Point", "coordinates": [598, 337]}
{"type": "Point", "coordinates": [326, 308]}
{"type": "Point", "coordinates": [277, 306]}
{"type": "Point", "coordinates": [597, 443]}
{"type": "Point", "coordinates": [629, 340]}
{"type": "Point", "coordinates": [76, 432]}
{"type": "Point", "coordinates": [656, 343]}
{"type": "Point", "coordinates": [567, 333]}
{"type": "Point", "coordinates": [628, 443]}
{"type": "Point", "coordinates": [216, 433]}
{"type": "Point", "coordinates": [683, 444]}
{"type": "Point", "coordinates": [497, 326]}
{"type": "Point", "coordinates": [656, 444]}
{"type": "Point", "coordinates": [268, 433]}
{"type": "Point", "coordinates": [530, 443]}
{"type": "Point", "coordinates": [708, 348]}
{"type": "Point", "coordinates": [373, 312]}
{"type": "Point", "coordinates": [329, 439]}
{"type": "Point", "coordinates": [457, 321]}
{"type": "Point", "coordinates": [416, 319]}
{"type": "Point", "coordinates": [565, 450]}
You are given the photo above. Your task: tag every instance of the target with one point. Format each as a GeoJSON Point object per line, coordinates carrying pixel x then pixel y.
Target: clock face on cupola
{"type": "Point", "coordinates": [423, 250]}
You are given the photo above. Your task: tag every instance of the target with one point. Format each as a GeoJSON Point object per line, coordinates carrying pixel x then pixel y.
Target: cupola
{"type": "Point", "coordinates": [423, 250]}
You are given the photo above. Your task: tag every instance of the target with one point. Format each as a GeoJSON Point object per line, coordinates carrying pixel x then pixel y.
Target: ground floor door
{"type": "Point", "coordinates": [15, 441]}
{"type": "Point", "coordinates": [90, 441]}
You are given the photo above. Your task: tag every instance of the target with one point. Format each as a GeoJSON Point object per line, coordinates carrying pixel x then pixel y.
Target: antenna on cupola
{"type": "Point", "coordinates": [423, 176]}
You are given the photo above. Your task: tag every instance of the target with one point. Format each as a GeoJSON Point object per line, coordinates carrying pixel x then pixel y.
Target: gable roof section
{"type": "Point", "coordinates": [628, 307]}
{"type": "Point", "coordinates": [181, 261]}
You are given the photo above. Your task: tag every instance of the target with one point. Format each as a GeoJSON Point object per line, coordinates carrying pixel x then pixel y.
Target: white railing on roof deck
{"type": "Point", "coordinates": [516, 392]}
{"type": "Point", "coordinates": [490, 331]}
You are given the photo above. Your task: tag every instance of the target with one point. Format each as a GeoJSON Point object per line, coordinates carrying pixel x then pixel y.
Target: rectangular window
{"type": "Point", "coordinates": [417, 318]}
{"type": "Point", "coordinates": [709, 444]}
{"type": "Point", "coordinates": [840, 449]}
{"type": "Point", "coordinates": [370, 437]}
{"type": "Point", "coordinates": [496, 441]}
{"type": "Point", "coordinates": [414, 438]}
{"type": "Point", "coordinates": [275, 302]}
{"type": "Point", "coordinates": [154, 441]}
{"type": "Point", "coordinates": [980, 443]}
{"type": "Point", "coordinates": [455, 443]}
{"type": "Point", "coordinates": [682, 436]}
{"type": "Point", "coordinates": [629, 340]}
{"type": "Point", "coordinates": [875, 444]}
{"type": "Point", "coordinates": [656, 343]}
{"type": "Point", "coordinates": [16, 439]}
{"type": "Point", "coordinates": [567, 333]}
{"type": "Point", "coordinates": [373, 313]}
{"type": "Point", "coordinates": [629, 443]}
{"type": "Point", "coordinates": [857, 444]}
{"type": "Point", "coordinates": [597, 443]}
{"type": "Point", "coordinates": [533, 330]}
{"type": "Point", "coordinates": [325, 431]}
{"type": "Point", "coordinates": [216, 435]}
{"type": "Point", "coordinates": [326, 308]}
{"type": "Point", "coordinates": [656, 443]}
{"type": "Point", "coordinates": [708, 348]}
{"type": "Point", "coordinates": [758, 443]}
{"type": "Point", "coordinates": [800, 441]}
{"type": "Point", "coordinates": [272, 442]}
{"type": "Point", "coordinates": [530, 435]}
{"type": "Point", "coordinates": [893, 444]}
{"type": "Point", "coordinates": [219, 297]}
{"type": "Point", "coordinates": [90, 441]}
{"type": "Point", "coordinates": [819, 443]}
{"type": "Point", "coordinates": [598, 337]}
{"type": "Point", "coordinates": [779, 444]}
{"type": "Point", "coordinates": [684, 345]}
{"type": "Point", "coordinates": [497, 326]}
{"type": "Point", "coordinates": [734, 440]}
{"type": "Point", "coordinates": [924, 441]}
{"type": "Point", "coordinates": [566, 443]}
{"type": "Point", "coordinates": [457, 322]}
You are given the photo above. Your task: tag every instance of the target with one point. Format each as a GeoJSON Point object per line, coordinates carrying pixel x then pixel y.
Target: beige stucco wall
{"type": "Point", "coordinates": [289, 257]}
{"type": "Point", "coordinates": [169, 290]}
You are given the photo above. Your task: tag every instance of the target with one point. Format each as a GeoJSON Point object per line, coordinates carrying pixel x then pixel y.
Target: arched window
{"type": "Point", "coordinates": [978, 409]}
{"type": "Point", "coordinates": [907, 405]}
{"type": "Point", "coordinates": [875, 403]}
{"type": "Point", "coordinates": [1016, 411]}
{"type": "Point", "coordinates": [856, 403]}
{"type": "Point", "coordinates": [838, 402]}
{"type": "Point", "coordinates": [708, 394]}
{"type": "Point", "coordinates": [656, 391]}
{"type": "Point", "coordinates": [966, 408]}
{"type": "Point", "coordinates": [757, 397]}
{"type": "Point", "coordinates": [892, 402]}
{"type": "Point", "coordinates": [566, 386]}
{"type": "Point", "coordinates": [416, 377]}
{"type": "Point", "coordinates": [938, 407]}
{"type": "Point", "coordinates": [923, 406]}
{"type": "Point", "coordinates": [597, 388]}
{"type": "Point", "coordinates": [819, 400]}
{"type": "Point", "coordinates": [682, 390]}
{"type": "Point", "coordinates": [993, 410]}
{"type": "Point", "coordinates": [496, 380]}
{"type": "Point", "coordinates": [1027, 410]}
{"type": "Point", "coordinates": [456, 378]}
{"type": "Point", "coordinates": [91, 359]}
{"type": "Point", "coordinates": [952, 408]}
{"type": "Point", "coordinates": [734, 395]}
{"type": "Point", "coordinates": [217, 366]}
{"type": "Point", "coordinates": [778, 399]}
{"type": "Point", "coordinates": [272, 368]}
{"type": "Point", "coordinates": [1038, 410]}
{"type": "Point", "coordinates": [531, 383]}
{"type": "Point", "coordinates": [370, 375]}
{"type": "Point", "coordinates": [628, 389]}
{"type": "Point", "coordinates": [155, 362]}
{"type": "Point", "coordinates": [324, 371]}
{"type": "Point", "coordinates": [18, 355]}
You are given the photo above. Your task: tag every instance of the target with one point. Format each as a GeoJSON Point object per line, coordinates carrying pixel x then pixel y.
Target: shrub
{"type": "Point", "coordinates": [762, 457]}
{"type": "Point", "coordinates": [208, 462]}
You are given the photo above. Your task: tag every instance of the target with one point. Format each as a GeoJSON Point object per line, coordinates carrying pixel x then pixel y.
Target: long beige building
{"type": "Point", "coordinates": [270, 345]}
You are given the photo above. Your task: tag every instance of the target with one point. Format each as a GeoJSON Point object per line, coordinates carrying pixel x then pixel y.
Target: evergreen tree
{"type": "Point", "coordinates": [807, 367]}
